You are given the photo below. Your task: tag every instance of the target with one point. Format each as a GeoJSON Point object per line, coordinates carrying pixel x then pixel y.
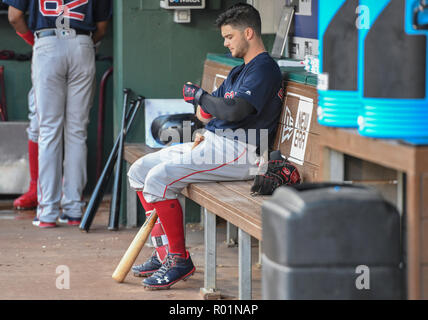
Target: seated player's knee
{"type": "Point", "coordinates": [154, 175]}
{"type": "Point", "coordinates": [157, 180]}
{"type": "Point", "coordinates": [137, 174]}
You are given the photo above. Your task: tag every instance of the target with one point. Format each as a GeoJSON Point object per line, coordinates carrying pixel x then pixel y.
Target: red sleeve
{"type": "Point", "coordinates": [28, 37]}
{"type": "Point", "coordinates": [204, 114]}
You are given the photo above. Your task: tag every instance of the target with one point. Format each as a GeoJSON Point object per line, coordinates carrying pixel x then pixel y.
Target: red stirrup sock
{"type": "Point", "coordinates": [171, 216]}
{"type": "Point", "coordinates": [158, 235]}
{"type": "Point", "coordinates": [33, 159]}
{"type": "Point", "coordinates": [29, 199]}
{"type": "Point", "coordinates": [147, 206]}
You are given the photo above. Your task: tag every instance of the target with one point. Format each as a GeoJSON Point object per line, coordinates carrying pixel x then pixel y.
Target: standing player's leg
{"type": "Point", "coordinates": [80, 91]}
{"type": "Point", "coordinates": [29, 199]}
{"type": "Point", "coordinates": [49, 71]}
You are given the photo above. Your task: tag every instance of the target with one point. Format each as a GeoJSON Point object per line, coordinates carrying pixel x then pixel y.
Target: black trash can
{"type": "Point", "coordinates": [330, 241]}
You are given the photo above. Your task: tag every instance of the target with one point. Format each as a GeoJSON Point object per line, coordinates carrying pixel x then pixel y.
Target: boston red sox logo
{"type": "Point", "coordinates": [229, 95]}
{"type": "Point", "coordinates": [286, 171]}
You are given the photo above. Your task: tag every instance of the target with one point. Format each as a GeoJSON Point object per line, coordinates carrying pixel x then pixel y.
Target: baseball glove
{"type": "Point", "coordinates": [273, 174]}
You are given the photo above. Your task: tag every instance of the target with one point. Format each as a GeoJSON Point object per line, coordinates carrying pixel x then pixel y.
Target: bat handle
{"type": "Point", "coordinates": [134, 249]}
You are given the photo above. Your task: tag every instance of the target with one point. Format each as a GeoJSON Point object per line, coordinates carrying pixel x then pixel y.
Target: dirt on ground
{"type": "Point", "coordinates": [34, 262]}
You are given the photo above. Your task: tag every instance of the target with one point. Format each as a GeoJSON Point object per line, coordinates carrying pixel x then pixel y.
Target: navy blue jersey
{"type": "Point", "coordinates": [260, 83]}
{"type": "Point", "coordinates": [83, 14]}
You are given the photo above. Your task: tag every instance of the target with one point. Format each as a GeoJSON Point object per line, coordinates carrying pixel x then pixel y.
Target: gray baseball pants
{"type": "Point", "coordinates": [163, 174]}
{"type": "Point", "coordinates": [63, 71]}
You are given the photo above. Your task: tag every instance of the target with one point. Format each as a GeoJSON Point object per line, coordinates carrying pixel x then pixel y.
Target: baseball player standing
{"type": "Point", "coordinates": [240, 119]}
{"type": "Point", "coordinates": [28, 200]}
{"type": "Point", "coordinates": [63, 74]}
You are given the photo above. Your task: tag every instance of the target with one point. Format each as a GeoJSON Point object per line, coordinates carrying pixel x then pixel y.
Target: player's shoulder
{"type": "Point", "coordinates": [237, 68]}
{"type": "Point", "coordinates": [264, 59]}
{"type": "Point", "coordinates": [265, 64]}
{"type": "Point", "coordinates": [14, 3]}
{"type": "Point", "coordinates": [18, 4]}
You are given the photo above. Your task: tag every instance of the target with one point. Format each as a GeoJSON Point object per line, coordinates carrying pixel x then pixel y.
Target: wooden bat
{"type": "Point", "coordinates": [101, 186]}
{"type": "Point", "coordinates": [134, 249]}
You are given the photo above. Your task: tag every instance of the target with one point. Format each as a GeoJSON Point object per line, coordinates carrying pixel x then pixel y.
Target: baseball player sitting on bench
{"type": "Point", "coordinates": [241, 119]}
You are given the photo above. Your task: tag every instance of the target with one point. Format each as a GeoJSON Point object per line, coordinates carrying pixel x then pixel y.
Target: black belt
{"type": "Point", "coordinates": [53, 32]}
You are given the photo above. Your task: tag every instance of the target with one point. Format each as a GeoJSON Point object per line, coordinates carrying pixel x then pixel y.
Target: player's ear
{"type": "Point", "coordinates": [249, 33]}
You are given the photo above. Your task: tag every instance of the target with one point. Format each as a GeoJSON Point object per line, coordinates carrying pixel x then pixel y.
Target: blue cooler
{"type": "Point", "coordinates": [393, 71]}
{"type": "Point", "coordinates": [338, 101]}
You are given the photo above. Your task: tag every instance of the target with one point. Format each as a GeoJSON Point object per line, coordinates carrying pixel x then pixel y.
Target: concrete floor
{"type": "Point", "coordinates": [31, 260]}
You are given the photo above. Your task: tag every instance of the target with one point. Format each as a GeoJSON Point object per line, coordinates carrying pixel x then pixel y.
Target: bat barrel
{"type": "Point", "coordinates": [134, 249]}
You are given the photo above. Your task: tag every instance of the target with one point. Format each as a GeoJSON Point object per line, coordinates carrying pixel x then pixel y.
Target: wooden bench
{"type": "Point", "coordinates": [297, 137]}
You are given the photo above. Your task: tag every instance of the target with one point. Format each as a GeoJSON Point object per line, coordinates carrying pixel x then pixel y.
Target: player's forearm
{"type": "Point", "coordinates": [231, 110]}
{"type": "Point", "coordinates": [100, 32]}
{"type": "Point", "coordinates": [17, 20]}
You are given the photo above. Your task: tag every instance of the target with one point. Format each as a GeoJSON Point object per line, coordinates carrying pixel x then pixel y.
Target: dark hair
{"type": "Point", "coordinates": [241, 15]}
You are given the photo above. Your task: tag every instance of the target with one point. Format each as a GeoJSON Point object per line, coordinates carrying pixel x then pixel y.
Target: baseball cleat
{"type": "Point", "coordinates": [69, 220]}
{"type": "Point", "coordinates": [43, 225]}
{"type": "Point", "coordinates": [36, 222]}
{"type": "Point", "coordinates": [63, 218]}
{"type": "Point", "coordinates": [147, 268]}
{"type": "Point", "coordinates": [174, 269]}
{"type": "Point", "coordinates": [28, 201]}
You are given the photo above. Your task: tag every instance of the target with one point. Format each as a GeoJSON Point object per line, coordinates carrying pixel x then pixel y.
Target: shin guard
{"type": "Point", "coordinates": [158, 235]}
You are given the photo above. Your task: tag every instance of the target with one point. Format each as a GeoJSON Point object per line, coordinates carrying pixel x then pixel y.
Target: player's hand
{"type": "Point", "coordinates": [97, 46]}
{"type": "Point", "coordinates": [203, 116]}
{"type": "Point", "coordinates": [192, 93]}
{"type": "Point", "coordinates": [198, 139]}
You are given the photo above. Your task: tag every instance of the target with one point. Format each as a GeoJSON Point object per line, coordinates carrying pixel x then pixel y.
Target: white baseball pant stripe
{"type": "Point", "coordinates": [63, 70]}
{"type": "Point", "coordinates": [163, 174]}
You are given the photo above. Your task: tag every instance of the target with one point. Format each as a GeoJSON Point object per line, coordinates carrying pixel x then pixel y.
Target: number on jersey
{"type": "Point", "coordinates": [61, 8]}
